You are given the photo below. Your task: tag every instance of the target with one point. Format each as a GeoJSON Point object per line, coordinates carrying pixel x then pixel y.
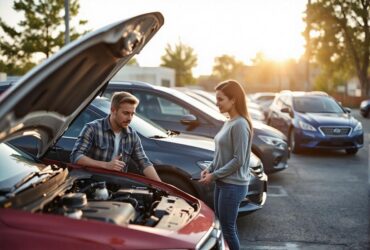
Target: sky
{"type": "Point", "coordinates": [240, 28]}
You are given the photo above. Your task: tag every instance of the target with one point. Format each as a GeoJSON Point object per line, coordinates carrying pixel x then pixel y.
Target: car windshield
{"type": "Point", "coordinates": [316, 104]}
{"type": "Point", "coordinates": [143, 126]}
{"type": "Point", "coordinates": [15, 165]}
{"type": "Point", "coordinates": [196, 104]}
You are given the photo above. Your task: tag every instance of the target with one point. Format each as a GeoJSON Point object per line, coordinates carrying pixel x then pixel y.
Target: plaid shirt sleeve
{"type": "Point", "coordinates": [83, 143]}
{"type": "Point", "coordinates": [139, 154]}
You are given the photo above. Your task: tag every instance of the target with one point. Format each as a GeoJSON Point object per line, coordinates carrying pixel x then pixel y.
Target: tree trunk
{"type": "Point", "coordinates": [365, 84]}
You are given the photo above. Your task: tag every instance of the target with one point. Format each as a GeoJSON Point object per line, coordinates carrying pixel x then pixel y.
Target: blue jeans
{"type": "Point", "coordinates": [226, 203]}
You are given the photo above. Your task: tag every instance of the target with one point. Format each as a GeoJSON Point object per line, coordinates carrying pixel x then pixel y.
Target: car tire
{"type": "Point", "coordinates": [292, 143]}
{"type": "Point", "coordinates": [178, 182]}
{"type": "Point", "coordinates": [367, 113]}
{"type": "Point", "coordinates": [351, 151]}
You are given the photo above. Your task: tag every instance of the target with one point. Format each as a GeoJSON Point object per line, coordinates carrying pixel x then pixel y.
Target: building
{"type": "Point", "coordinates": [161, 76]}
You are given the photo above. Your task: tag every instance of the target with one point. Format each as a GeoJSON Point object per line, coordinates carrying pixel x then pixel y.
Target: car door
{"type": "Point", "coordinates": [279, 118]}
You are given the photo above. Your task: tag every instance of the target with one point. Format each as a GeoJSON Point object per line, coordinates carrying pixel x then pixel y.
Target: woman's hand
{"type": "Point", "coordinates": [205, 177]}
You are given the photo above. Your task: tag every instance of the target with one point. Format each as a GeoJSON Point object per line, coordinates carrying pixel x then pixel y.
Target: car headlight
{"type": "Point", "coordinates": [273, 141]}
{"type": "Point", "coordinates": [358, 127]}
{"type": "Point", "coordinates": [306, 126]}
{"type": "Point", "coordinates": [204, 164]}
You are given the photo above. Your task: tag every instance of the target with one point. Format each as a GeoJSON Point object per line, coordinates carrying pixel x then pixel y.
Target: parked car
{"type": "Point", "coordinates": [176, 111]}
{"type": "Point", "coordinates": [264, 100]}
{"type": "Point", "coordinates": [365, 108]}
{"type": "Point", "coordinates": [4, 85]}
{"type": "Point", "coordinates": [255, 114]}
{"type": "Point", "coordinates": [315, 120]}
{"type": "Point", "coordinates": [178, 158]}
{"type": "Point", "coordinates": [49, 206]}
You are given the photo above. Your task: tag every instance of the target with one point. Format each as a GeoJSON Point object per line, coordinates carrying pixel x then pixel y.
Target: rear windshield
{"type": "Point", "coordinates": [316, 104]}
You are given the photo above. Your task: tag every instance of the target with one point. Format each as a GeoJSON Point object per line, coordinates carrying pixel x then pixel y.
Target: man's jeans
{"type": "Point", "coordinates": [227, 201]}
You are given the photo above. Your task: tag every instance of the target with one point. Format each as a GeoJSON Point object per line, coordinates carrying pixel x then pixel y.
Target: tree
{"type": "Point", "coordinates": [133, 61]}
{"type": "Point", "coordinates": [182, 59]}
{"type": "Point", "coordinates": [227, 67]}
{"type": "Point", "coordinates": [340, 40]}
{"type": "Point", "coordinates": [39, 34]}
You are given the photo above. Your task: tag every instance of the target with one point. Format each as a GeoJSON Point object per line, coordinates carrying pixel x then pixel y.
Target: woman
{"type": "Point", "coordinates": [230, 165]}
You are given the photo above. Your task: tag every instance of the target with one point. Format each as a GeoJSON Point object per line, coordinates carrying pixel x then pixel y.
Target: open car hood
{"type": "Point", "coordinates": [47, 99]}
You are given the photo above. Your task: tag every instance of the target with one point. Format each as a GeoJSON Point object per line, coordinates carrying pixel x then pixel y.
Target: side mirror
{"type": "Point", "coordinates": [347, 110]}
{"type": "Point", "coordinates": [285, 110]}
{"type": "Point", "coordinates": [288, 111]}
{"type": "Point", "coordinates": [189, 120]}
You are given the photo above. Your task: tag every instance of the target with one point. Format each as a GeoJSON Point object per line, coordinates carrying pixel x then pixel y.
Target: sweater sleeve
{"type": "Point", "coordinates": [240, 139]}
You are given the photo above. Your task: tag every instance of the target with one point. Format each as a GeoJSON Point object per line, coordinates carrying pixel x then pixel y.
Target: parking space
{"type": "Point", "coordinates": [319, 202]}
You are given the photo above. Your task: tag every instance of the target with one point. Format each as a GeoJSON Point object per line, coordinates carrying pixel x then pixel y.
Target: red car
{"type": "Point", "coordinates": [49, 205]}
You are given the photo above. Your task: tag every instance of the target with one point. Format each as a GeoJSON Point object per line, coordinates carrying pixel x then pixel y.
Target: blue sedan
{"type": "Point", "coordinates": [315, 120]}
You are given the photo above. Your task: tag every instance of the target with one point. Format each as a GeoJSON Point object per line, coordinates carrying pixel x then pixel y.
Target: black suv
{"type": "Point", "coordinates": [177, 111]}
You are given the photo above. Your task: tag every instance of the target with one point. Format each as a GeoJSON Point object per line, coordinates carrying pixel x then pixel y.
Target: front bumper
{"type": "Point", "coordinates": [310, 140]}
{"type": "Point", "coordinates": [274, 159]}
{"type": "Point", "coordinates": [256, 196]}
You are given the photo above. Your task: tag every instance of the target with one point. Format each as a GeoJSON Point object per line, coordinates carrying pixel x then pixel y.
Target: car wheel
{"type": "Point", "coordinates": [351, 151]}
{"type": "Point", "coordinates": [177, 182]}
{"type": "Point", "coordinates": [292, 142]}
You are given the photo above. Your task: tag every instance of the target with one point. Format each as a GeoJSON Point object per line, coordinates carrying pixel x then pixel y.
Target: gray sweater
{"type": "Point", "coordinates": [233, 147]}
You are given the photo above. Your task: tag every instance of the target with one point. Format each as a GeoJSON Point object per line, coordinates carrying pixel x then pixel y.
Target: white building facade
{"type": "Point", "coordinates": [160, 76]}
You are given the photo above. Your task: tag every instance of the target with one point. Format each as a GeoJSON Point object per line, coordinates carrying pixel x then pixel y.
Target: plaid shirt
{"type": "Point", "coordinates": [96, 141]}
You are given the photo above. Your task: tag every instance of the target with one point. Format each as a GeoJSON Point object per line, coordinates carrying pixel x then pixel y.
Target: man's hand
{"type": "Point", "coordinates": [116, 164]}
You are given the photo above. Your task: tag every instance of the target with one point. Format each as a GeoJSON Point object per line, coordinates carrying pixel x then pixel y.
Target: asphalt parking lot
{"type": "Point", "coordinates": [319, 202]}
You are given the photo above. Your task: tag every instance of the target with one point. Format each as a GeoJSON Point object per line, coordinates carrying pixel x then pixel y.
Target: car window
{"type": "Point", "coordinates": [315, 104]}
{"type": "Point", "coordinates": [159, 108]}
{"type": "Point", "coordinates": [76, 127]}
{"type": "Point", "coordinates": [201, 107]}
{"type": "Point", "coordinates": [143, 126]}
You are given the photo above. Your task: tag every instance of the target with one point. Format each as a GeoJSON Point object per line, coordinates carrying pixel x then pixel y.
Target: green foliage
{"type": "Point", "coordinates": [182, 59]}
{"type": "Point", "coordinates": [133, 61]}
{"type": "Point", "coordinates": [227, 67]}
{"type": "Point", "coordinates": [340, 40]}
{"type": "Point", "coordinates": [39, 34]}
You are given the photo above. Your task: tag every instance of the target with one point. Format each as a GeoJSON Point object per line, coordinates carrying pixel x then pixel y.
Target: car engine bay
{"type": "Point", "coordinates": [111, 202]}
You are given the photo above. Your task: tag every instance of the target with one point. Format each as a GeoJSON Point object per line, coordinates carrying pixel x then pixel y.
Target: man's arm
{"type": "Point", "coordinates": [140, 157]}
{"type": "Point", "coordinates": [151, 173]}
{"type": "Point", "coordinates": [116, 164]}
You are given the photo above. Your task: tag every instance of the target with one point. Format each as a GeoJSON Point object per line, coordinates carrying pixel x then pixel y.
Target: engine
{"type": "Point", "coordinates": [113, 203]}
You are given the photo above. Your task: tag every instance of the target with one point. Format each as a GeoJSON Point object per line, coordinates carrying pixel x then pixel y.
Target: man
{"type": "Point", "coordinates": [110, 142]}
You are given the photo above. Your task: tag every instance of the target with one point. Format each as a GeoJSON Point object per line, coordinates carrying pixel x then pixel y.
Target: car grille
{"type": "Point", "coordinates": [335, 131]}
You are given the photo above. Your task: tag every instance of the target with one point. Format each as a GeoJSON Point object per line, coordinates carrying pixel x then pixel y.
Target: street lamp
{"type": "Point", "coordinates": [66, 21]}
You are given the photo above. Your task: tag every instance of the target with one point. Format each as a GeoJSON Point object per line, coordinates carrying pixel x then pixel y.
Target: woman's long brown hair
{"type": "Point", "coordinates": [233, 90]}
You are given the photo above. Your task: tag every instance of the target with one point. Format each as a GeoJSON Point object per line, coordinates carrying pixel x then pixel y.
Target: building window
{"type": "Point", "coordinates": [165, 83]}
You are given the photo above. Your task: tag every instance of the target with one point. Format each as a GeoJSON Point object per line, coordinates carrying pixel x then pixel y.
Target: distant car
{"type": "Point", "coordinates": [4, 85]}
{"type": "Point", "coordinates": [51, 205]}
{"type": "Point", "coordinates": [178, 158]}
{"type": "Point", "coordinates": [264, 100]}
{"type": "Point", "coordinates": [176, 111]}
{"type": "Point", "coordinates": [365, 108]}
{"type": "Point", "coordinates": [315, 120]}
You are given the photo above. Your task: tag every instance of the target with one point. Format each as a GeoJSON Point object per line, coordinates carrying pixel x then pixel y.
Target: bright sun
{"type": "Point", "coordinates": [282, 39]}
